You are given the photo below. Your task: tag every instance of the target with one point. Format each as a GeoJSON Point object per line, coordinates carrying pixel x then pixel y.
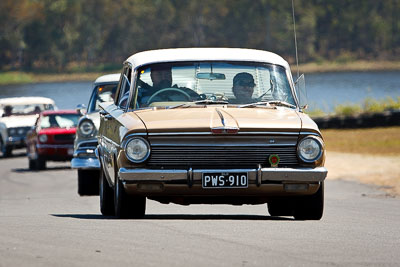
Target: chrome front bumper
{"type": "Point", "coordinates": [85, 163]}
{"type": "Point", "coordinates": [15, 141]}
{"type": "Point", "coordinates": [255, 176]}
{"type": "Point", "coordinates": [85, 157]}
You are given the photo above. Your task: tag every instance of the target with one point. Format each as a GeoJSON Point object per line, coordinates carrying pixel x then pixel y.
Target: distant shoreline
{"type": "Point", "coordinates": [20, 77]}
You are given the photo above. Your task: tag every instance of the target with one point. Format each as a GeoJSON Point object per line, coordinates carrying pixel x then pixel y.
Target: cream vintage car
{"type": "Point", "coordinates": [17, 116]}
{"type": "Point", "coordinates": [84, 160]}
{"type": "Point", "coordinates": [209, 126]}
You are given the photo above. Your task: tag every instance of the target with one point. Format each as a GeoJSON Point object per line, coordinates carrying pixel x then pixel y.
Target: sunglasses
{"type": "Point", "coordinates": [246, 83]}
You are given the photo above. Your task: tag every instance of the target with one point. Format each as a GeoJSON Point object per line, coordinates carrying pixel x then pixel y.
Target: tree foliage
{"type": "Point", "coordinates": [61, 34]}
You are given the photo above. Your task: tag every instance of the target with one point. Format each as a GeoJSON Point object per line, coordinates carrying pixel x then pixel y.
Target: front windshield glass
{"type": "Point", "coordinates": [102, 93]}
{"type": "Point", "coordinates": [17, 110]}
{"type": "Point", "coordinates": [165, 85]}
{"type": "Point", "coordinates": [59, 121]}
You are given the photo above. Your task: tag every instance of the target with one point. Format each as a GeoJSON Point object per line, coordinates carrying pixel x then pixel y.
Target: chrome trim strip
{"type": "Point", "coordinates": [239, 133]}
{"type": "Point", "coordinates": [135, 134]}
{"type": "Point", "coordinates": [110, 141]}
{"type": "Point", "coordinates": [309, 133]}
{"type": "Point", "coordinates": [85, 163]}
{"type": "Point", "coordinates": [222, 145]}
{"type": "Point", "coordinates": [271, 133]}
{"type": "Point", "coordinates": [54, 146]}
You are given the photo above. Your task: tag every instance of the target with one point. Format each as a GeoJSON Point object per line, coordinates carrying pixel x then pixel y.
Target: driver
{"type": "Point", "coordinates": [243, 87]}
{"type": "Point", "coordinates": [7, 111]}
{"type": "Point", "coordinates": [161, 76]}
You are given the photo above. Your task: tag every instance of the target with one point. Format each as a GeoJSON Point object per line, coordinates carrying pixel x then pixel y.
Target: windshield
{"type": "Point", "coordinates": [17, 110]}
{"type": "Point", "coordinates": [166, 85]}
{"type": "Point", "coordinates": [59, 121]}
{"type": "Point", "coordinates": [101, 93]}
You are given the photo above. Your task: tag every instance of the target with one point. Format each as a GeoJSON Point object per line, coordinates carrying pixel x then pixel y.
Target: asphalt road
{"type": "Point", "coordinates": [43, 222]}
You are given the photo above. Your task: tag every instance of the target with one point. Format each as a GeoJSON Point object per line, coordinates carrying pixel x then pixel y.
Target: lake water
{"type": "Point", "coordinates": [324, 90]}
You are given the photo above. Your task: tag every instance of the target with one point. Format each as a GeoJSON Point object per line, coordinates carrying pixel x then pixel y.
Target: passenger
{"type": "Point", "coordinates": [243, 88]}
{"type": "Point", "coordinates": [36, 110]}
{"type": "Point", "coordinates": [7, 111]}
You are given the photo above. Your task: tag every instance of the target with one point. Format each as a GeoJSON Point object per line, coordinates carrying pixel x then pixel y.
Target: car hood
{"type": "Point", "coordinates": [55, 131]}
{"type": "Point", "coordinates": [19, 121]}
{"type": "Point", "coordinates": [204, 119]}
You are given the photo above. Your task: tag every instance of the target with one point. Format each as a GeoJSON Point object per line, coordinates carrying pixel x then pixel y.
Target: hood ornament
{"type": "Point", "coordinates": [224, 129]}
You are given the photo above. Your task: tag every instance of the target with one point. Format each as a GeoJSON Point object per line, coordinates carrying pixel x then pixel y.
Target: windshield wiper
{"type": "Point", "coordinates": [205, 101]}
{"type": "Point", "coordinates": [209, 101]}
{"type": "Point", "coordinates": [268, 103]}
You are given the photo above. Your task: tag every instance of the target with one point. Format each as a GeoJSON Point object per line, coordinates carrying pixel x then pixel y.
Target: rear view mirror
{"type": "Point", "coordinates": [81, 109]}
{"type": "Point", "coordinates": [210, 76]}
{"type": "Point", "coordinates": [301, 92]}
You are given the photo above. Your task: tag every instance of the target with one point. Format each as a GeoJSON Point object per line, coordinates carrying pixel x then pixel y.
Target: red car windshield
{"type": "Point", "coordinates": [59, 121]}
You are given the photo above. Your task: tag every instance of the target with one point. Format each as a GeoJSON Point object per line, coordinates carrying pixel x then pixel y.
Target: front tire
{"type": "Point", "coordinates": [310, 207]}
{"type": "Point", "coordinates": [127, 206]}
{"type": "Point", "coordinates": [32, 164]}
{"type": "Point", "coordinates": [106, 196]}
{"type": "Point", "coordinates": [88, 182]}
{"type": "Point", "coordinates": [6, 150]}
{"type": "Point", "coordinates": [280, 208]}
{"type": "Point", "coordinates": [40, 163]}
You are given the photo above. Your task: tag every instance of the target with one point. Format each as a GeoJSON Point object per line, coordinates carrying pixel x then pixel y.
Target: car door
{"type": "Point", "coordinates": [109, 130]}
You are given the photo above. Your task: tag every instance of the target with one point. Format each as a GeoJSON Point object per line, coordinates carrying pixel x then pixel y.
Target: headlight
{"type": "Point", "coordinates": [12, 131]}
{"type": "Point", "coordinates": [43, 138]}
{"type": "Point", "coordinates": [137, 149]}
{"type": "Point", "coordinates": [310, 149]}
{"type": "Point", "coordinates": [87, 128]}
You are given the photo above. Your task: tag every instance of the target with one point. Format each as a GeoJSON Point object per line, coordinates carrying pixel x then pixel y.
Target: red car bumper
{"type": "Point", "coordinates": [55, 152]}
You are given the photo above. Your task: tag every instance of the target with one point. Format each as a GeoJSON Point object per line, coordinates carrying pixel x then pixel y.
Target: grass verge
{"type": "Point", "coordinates": [379, 141]}
{"type": "Point", "coordinates": [29, 77]}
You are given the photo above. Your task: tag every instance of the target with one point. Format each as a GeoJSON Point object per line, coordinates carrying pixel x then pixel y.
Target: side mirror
{"type": "Point", "coordinates": [81, 108]}
{"type": "Point", "coordinates": [301, 92]}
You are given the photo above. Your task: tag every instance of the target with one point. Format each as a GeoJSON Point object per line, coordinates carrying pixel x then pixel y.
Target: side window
{"type": "Point", "coordinates": [125, 84]}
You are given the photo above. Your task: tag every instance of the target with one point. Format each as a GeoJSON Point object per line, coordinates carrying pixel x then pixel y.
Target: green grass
{"type": "Point", "coordinates": [369, 105]}
{"type": "Point", "coordinates": [28, 77]}
{"type": "Point", "coordinates": [380, 141]}
{"type": "Point", "coordinates": [15, 78]}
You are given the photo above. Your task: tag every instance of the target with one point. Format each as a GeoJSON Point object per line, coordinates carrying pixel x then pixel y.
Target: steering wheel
{"type": "Point", "coordinates": [166, 90]}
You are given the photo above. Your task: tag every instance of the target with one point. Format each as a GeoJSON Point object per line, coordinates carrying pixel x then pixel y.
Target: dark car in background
{"type": "Point", "coordinates": [51, 138]}
{"type": "Point", "coordinates": [84, 158]}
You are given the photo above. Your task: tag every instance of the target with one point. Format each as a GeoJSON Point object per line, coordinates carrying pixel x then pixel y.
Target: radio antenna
{"type": "Point", "coordinates": [295, 40]}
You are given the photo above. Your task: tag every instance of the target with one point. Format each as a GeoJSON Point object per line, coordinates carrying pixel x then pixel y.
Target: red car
{"type": "Point", "coordinates": [52, 138]}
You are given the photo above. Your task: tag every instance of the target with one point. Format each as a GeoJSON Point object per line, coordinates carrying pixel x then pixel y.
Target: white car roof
{"type": "Point", "coordinates": [205, 54]}
{"type": "Point", "coordinates": [108, 78]}
{"type": "Point", "coordinates": [26, 100]}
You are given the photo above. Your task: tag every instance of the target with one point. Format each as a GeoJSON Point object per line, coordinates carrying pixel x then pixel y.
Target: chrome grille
{"type": "Point", "coordinates": [64, 137]}
{"type": "Point", "coordinates": [88, 145]}
{"type": "Point", "coordinates": [221, 153]}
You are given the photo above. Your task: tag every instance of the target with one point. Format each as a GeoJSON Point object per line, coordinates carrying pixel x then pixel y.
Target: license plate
{"type": "Point", "coordinates": [225, 180]}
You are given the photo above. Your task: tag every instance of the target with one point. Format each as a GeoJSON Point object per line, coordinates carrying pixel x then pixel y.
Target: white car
{"type": "Point", "coordinates": [17, 116]}
{"type": "Point", "coordinates": [85, 160]}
